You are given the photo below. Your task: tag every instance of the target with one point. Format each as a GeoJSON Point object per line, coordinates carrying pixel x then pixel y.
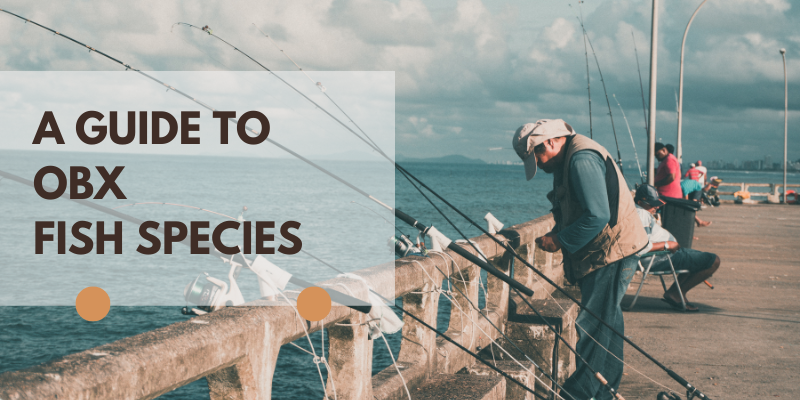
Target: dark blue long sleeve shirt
{"type": "Point", "coordinates": [587, 180]}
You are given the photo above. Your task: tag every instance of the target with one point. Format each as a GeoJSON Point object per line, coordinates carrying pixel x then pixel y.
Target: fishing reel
{"type": "Point", "coordinates": [211, 294]}
{"type": "Point", "coordinates": [404, 247]}
{"type": "Point", "coordinates": [668, 396]}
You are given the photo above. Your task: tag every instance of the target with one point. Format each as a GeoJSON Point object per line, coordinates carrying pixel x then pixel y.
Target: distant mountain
{"type": "Point", "coordinates": [451, 159]}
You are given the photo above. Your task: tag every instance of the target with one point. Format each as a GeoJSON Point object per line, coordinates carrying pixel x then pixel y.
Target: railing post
{"type": "Point", "coordinates": [419, 343]}
{"type": "Point", "coordinates": [241, 380]}
{"type": "Point", "coordinates": [250, 377]}
{"type": "Point", "coordinates": [498, 291]}
{"type": "Point", "coordinates": [462, 315]}
{"type": "Point", "coordinates": [350, 358]}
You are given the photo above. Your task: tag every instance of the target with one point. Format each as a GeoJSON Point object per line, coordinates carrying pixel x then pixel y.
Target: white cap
{"type": "Point", "coordinates": [531, 135]}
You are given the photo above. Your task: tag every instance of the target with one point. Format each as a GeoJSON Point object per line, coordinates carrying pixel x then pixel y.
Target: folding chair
{"type": "Point", "coordinates": [645, 271]}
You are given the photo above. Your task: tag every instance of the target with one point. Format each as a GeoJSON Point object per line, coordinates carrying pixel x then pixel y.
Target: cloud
{"type": "Point", "coordinates": [421, 125]}
{"type": "Point", "coordinates": [483, 67]}
{"type": "Point", "coordinates": [559, 33]}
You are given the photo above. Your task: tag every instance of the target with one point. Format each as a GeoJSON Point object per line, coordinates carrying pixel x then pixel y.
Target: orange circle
{"type": "Point", "coordinates": [314, 303]}
{"type": "Point", "coordinates": [93, 303]}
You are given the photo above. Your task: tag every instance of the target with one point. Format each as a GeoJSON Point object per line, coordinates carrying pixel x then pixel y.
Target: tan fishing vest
{"type": "Point", "coordinates": [621, 237]}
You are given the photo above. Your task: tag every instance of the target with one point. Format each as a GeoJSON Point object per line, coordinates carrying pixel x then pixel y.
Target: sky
{"type": "Point", "coordinates": [467, 73]}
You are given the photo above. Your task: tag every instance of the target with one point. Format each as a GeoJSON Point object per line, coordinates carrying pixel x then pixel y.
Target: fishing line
{"type": "Point", "coordinates": [338, 297]}
{"type": "Point", "coordinates": [421, 227]}
{"type": "Point", "coordinates": [386, 300]}
{"type": "Point", "coordinates": [269, 93]}
{"type": "Point", "coordinates": [508, 340]}
{"type": "Point", "coordinates": [613, 129]}
{"type": "Point", "coordinates": [273, 74]}
{"type": "Point", "coordinates": [396, 367]}
{"type": "Point", "coordinates": [222, 64]}
{"type": "Point", "coordinates": [173, 204]}
{"type": "Point", "coordinates": [415, 223]}
{"type": "Point", "coordinates": [437, 289]}
{"type": "Point", "coordinates": [405, 217]}
{"type": "Point", "coordinates": [488, 364]}
{"type": "Point", "coordinates": [356, 304]}
{"type": "Point", "coordinates": [367, 141]}
{"type": "Point", "coordinates": [641, 174]}
{"type": "Point", "coordinates": [319, 86]}
{"type": "Point", "coordinates": [379, 216]}
{"type": "Point", "coordinates": [588, 80]}
{"type": "Point", "coordinates": [553, 298]}
{"type": "Point", "coordinates": [303, 324]}
{"type": "Point", "coordinates": [641, 87]}
{"type": "Point", "coordinates": [671, 373]}
{"type": "Point", "coordinates": [606, 334]}
{"type": "Point", "coordinates": [493, 342]}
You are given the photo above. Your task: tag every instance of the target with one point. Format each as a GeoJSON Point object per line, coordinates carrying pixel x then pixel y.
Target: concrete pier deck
{"type": "Point", "coordinates": [745, 341]}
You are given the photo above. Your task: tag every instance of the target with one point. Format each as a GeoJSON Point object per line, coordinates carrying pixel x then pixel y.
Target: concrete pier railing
{"type": "Point", "coordinates": [236, 349]}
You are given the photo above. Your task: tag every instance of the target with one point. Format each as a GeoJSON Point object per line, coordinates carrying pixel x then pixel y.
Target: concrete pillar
{"type": "Point", "coordinates": [350, 358]}
{"type": "Point", "coordinates": [497, 301]}
{"type": "Point", "coordinates": [239, 382]}
{"type": "Point", "coordinates": [461, 316]}
{"type": "Point", "coordinates": [250, 376]}
{"type": "Point", "coordinates": [419, 343]}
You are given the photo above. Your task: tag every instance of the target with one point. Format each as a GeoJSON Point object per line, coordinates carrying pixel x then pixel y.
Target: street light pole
{"type": "Point", "coordinates": [651, 137]}
{"type": "Point", "coordinates": [785, 120]}
{"type": "Point", "coordinates": [679, 146]}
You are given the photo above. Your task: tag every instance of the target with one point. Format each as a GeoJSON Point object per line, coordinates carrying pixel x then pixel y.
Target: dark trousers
{"type": "Point", "coordinates": [601, 292]}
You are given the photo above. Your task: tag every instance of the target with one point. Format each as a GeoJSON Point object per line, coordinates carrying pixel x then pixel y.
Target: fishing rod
{"type": "Point", "coordinates": [475, 356]}
{"type": "Point", "coordinates": [431, 231]}
{"type": "Point", "coordinates": [334, 295]}
{"type": "Point", "coordinates": [608, 103]}
{"type": "Point", "coordinates": [641, 87]}
{"type": "Point", "coordinates": [208, 31]}
{"type": "Point", "coordinates": [563, 291]}
{"type": "Point", "coordinates": [544, 320]}
{"type": "Point", "coordinates": [588, 80]}
{"type": "Point", "coordinates": [410, 176]}
{"type": "Point", "coordinates": [641, 174]}
{"type": "Point", "coordinates": [597, 374]}
{"type": "Point", "coordinates": [405, 173]}
{"type": "Point", "coordinates": [387, 301]}
{"type": "Point", "coordinates": [437, 236]}
{"type": "Point", "coordinates": [358, 305]}
{"type": "Point", "coordinates": [318, 84]}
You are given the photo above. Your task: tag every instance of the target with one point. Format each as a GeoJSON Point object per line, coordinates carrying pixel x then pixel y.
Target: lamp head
{"type": "Point", "coordinates": [783, 51]}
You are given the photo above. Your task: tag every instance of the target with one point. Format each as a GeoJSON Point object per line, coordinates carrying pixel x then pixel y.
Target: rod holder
{"type": "Point", "coordinates": [494, 224]}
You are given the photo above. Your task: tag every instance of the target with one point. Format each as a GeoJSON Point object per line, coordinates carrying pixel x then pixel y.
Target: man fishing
{"type": "Point", "coordinates": [599, 233]}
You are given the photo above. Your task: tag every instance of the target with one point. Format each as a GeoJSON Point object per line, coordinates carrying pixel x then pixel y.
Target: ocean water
{"type": "Point", "coordinates": [31, 335]}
